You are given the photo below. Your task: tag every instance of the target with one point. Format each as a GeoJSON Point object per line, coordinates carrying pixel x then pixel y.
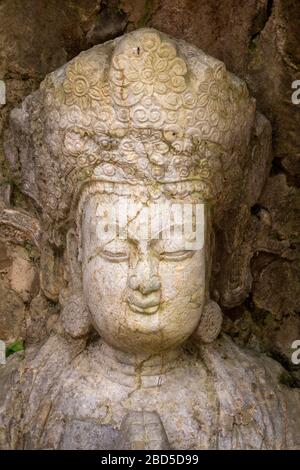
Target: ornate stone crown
{"type": "Point", "coordinates": [142, 109]}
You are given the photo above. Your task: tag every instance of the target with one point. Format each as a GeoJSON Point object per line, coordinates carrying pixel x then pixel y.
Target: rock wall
{"type": "Point", "coordinates": [259, 41]}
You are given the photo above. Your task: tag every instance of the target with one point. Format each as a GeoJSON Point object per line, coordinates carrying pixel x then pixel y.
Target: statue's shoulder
{"type": "Point", "coordinates": [30, 383]}
{"type": "Point", "coordinates": [255, 406]}
{"type": "Point", "coordinates": [8, 374]}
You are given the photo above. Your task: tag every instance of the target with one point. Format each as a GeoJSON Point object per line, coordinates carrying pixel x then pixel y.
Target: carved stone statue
{"type": "Point", "coordinates": [136, 359]}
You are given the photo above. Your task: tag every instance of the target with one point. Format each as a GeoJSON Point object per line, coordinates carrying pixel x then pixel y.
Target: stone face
{"type": "Point", "coordinates": [147, 310]}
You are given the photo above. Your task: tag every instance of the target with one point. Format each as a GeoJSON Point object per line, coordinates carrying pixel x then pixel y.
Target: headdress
{"type": "Point", "coordinates": [143, 109]}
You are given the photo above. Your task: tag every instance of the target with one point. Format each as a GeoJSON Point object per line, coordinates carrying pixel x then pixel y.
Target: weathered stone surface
{"type": "Point", "coordinates": [283, 203]}
{"type": "Point", "coordinates": [51, 276]}
{"type": "Point", "coordinates": [142, 430]}
{"type": "Point", "coordinates": [165, 139]}
{"type": "Point", "coordinates": [21, 274]}
{"type": "Point", "coordinates": [8, 375]}
{"type": "Point", "coordinates": [5, 260]}
{"type": "Point", "coordinates": [38, 324]}
{"type": "Point", "coordinates": [110, 23]}
{"type": "Point", "coordinates": [258, 40]}
{"type": "Point", "coordinates": [19, 227]}
{"type": "Point", "coordinates": [12, 315]}
{"type": "Point", "coordinates": [264, 332]}
{"type": "Point", "coordinates": [83, 435]}
{"type": "Point", "coordinates": [277, 288]}
{"type": "Point", "coordinates": [58, 26]}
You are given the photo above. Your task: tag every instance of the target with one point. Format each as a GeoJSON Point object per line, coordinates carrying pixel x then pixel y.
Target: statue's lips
{"type": "Point", "coordinates": [147, 305]}
{"type": "Point", "coordinates": [146, 310]}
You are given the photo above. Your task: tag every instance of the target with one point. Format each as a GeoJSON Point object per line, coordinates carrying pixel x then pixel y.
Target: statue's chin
{"type": "Point", "coordinates": [139, 332]}
{"type": "Point", "coordinates": [141, 340]}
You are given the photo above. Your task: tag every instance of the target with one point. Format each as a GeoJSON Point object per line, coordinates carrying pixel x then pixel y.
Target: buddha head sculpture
{"type": "Point", "coordinates": [137, 123]}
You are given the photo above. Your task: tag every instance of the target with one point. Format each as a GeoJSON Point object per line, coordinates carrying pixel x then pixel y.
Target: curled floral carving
{"type": "Point", "coordinates": [81, 86]}
{"type": "Point", "coordinates": [153, 68]}
{"type": "Point", "coordinates": [154, 103]}
{"type": "Point", "coordinates": [214, 98]}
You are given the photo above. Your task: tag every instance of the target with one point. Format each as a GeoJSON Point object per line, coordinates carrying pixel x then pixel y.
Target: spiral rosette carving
{"type": "Point", "coordinates": [210, 324]}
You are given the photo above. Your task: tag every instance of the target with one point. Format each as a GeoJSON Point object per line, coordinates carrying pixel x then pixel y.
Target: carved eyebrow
{"type": "Point", "coordinates": [155, 235]}
{"type": "Point", "coordinates": [99, 250]}
{"type": "Point", "coordinates": [170, 227]}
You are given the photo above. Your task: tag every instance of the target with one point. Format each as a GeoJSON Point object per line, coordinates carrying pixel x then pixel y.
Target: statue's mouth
{"type": "Point", "coordinates": [147, 310]}
{"type": "Point", "coordinates": [146, 304]}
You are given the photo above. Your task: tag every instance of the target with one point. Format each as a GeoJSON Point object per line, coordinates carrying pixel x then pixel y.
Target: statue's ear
{"type": "Point", "coordinates": [75, 314]}
{"type": "Point", "coordinates": [237, 234]}
{"type": "Point", "coordinates": [210, 324]}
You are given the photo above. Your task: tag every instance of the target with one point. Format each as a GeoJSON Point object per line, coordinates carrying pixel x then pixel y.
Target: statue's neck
{"type": "Point", "coordinates": [135, 370]}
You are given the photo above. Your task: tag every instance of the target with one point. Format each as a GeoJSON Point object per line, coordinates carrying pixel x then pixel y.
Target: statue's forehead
{"type": "Point", "coordinates": [153, 216]}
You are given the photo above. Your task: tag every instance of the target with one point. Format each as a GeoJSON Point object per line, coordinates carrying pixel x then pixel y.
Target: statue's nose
{"type": "Point", "coordinates": [145, 284]}
{"type": "Point", "coordinates": [144, 277]}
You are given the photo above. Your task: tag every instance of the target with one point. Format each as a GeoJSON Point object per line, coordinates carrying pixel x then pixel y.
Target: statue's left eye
{"type": "Point", "coordinates": [176, 255]}
{"type": "Point", "coordinates": [114, 256]}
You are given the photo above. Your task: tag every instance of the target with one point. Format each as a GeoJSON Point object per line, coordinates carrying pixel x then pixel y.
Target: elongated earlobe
{"type": "Point", "coordinates": [75, 316]}
{"type": "Point", "coordinates": [210, 323]}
